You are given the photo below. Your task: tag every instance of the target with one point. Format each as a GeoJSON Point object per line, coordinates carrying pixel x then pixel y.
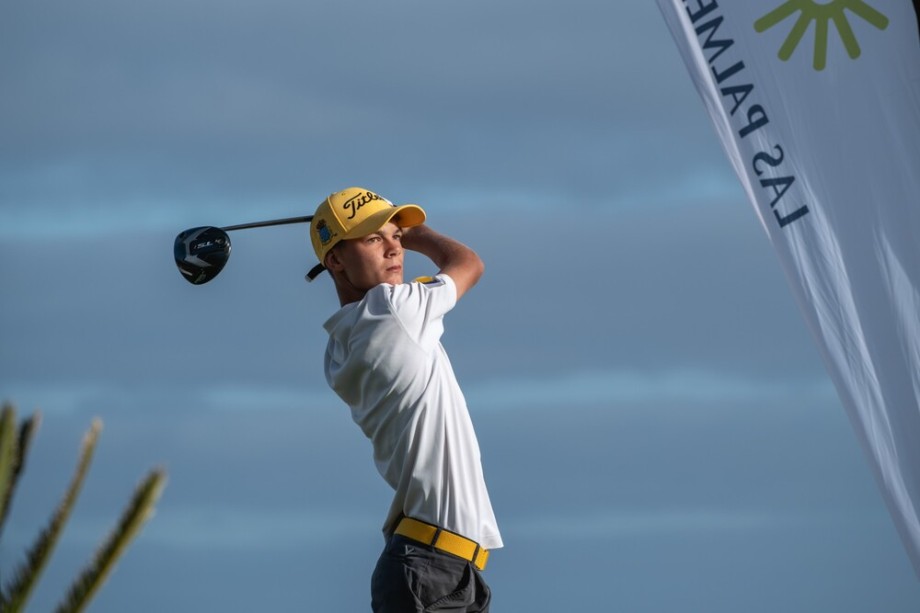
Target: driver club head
{"type": "Point", "coordinates": [201, 253]}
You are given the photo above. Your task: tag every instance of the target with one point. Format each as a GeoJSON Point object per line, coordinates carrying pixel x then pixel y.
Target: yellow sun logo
{"type": "Point", "coordinates": [822, 13]}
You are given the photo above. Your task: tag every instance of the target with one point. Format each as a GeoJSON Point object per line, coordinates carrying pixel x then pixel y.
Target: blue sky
{"type": "Point", "coordinates": [657, 429]}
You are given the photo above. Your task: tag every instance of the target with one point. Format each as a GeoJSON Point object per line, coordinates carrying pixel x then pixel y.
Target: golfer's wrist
{"type": "Point", "coordinates": [419, 238]}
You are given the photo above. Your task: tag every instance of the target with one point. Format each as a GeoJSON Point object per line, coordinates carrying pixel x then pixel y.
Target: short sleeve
{"type": "Point", "coordinates": [420, 306]}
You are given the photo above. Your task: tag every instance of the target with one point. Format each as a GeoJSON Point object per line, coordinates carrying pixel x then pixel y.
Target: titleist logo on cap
{"type": "Point", "coordinates": [356, 202]}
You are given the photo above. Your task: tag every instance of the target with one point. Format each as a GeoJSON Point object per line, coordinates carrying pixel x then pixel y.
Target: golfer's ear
{"type": "Point", "coordinates": [332, 261]}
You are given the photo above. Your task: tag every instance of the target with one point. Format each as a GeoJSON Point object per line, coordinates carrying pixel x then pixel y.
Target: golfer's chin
{"type": "Point", "coordinates": [391, 278]}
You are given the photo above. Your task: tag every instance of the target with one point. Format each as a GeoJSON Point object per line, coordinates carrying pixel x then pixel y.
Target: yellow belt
{"type": "Point", "coordinates": [445, 541]}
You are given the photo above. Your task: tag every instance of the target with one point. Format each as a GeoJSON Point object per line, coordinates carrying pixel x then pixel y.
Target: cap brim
{"type": "Point", "coordinates": [404, 216]}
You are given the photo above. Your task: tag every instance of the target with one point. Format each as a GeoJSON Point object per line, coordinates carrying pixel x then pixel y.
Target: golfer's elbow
{"type": "Point", "coordinates": [477, 266]}
{"type": "Point", "coordinates": [466, 269]}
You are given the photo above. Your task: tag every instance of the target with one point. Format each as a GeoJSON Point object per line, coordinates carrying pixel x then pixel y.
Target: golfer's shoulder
{"type": "Point", "coordinates": [436, 287]}
{"type": "Point", "coordinates": [439, 280]}
{"type": "Point", "coordinates": [420, 294]}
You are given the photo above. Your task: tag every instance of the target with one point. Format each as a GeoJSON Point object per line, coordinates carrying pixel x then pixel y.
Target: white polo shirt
{"type": "Point", "coordinates": [385, 360]}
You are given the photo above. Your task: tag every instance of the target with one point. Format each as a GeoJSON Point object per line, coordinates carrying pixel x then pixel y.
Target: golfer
{"type": "Point", "coordinates": [385, 360]}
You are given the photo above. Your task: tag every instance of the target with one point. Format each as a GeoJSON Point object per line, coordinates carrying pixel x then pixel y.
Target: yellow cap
{"type": "Point", "coordinates": [356, 212]}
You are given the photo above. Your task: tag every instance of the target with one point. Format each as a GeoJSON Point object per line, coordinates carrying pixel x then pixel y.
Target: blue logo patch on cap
{"type": "Point", "coordinates": [325, 234]}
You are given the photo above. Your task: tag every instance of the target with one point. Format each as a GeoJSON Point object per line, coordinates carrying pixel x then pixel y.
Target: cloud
{"type": "Point", "coordinates": [136, 116]}
{"type": "Point", "coordinates": [630, 388]}
{"type": "Point", "coordinates": [575, 389]}
{"type": "Point", "coordinates": [220, 528]}
{"type": "Point", "coordinates": [604, 305]}
{"type": "Point", "coordinates": [618, 524]}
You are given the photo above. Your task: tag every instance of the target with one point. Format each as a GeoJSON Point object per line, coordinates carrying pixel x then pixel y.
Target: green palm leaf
{"type": "Point", "coordinates": [17, 462]}
{"type": "Point", "coordinates": [138, 511]}
{"type": "Point", "coordinates": [27, 574]}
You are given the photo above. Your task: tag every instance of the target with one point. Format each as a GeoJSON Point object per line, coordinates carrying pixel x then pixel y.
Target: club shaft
{"type": "Point", "coordinates": [273, 222]}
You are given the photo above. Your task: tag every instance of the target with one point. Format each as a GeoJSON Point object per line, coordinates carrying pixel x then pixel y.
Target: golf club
{"type": "Point", "coordinates": [202, 252]}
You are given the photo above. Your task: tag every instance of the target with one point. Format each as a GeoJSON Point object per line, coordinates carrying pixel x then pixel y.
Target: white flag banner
{"type": "Point", "coordinates": [817, 105]}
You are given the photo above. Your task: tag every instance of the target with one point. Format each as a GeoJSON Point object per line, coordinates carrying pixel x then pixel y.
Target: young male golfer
{"type": "Point", "coordinates": [385, 360]}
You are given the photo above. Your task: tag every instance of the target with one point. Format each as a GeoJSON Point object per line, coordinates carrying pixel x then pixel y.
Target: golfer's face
{"type": "Point", "coordinates": [374, 259]}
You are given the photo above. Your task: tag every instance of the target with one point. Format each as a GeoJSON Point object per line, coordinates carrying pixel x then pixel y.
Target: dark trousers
{"type": "Point", "coordinates": [414, 578]}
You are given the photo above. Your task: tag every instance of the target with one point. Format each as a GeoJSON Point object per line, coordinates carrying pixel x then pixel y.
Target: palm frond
{"type": "Point", "coordinates": [138, 511]}
{"type": "Point", "coordinates": [7, 455]}
{"type": "Point", "coordinates": [27, 431]}
{"type": "Point", "coordinates": [27, 574]}
{"type": "Point", "coordinates": [7, 462]}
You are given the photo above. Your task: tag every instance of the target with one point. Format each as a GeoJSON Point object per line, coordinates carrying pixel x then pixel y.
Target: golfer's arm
{"type": "Point", "coordinates": [452, 257]}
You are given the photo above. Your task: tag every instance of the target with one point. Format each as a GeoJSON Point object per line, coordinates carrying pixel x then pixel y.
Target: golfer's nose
{"type": "Point", "coordinates": [393, 246]}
